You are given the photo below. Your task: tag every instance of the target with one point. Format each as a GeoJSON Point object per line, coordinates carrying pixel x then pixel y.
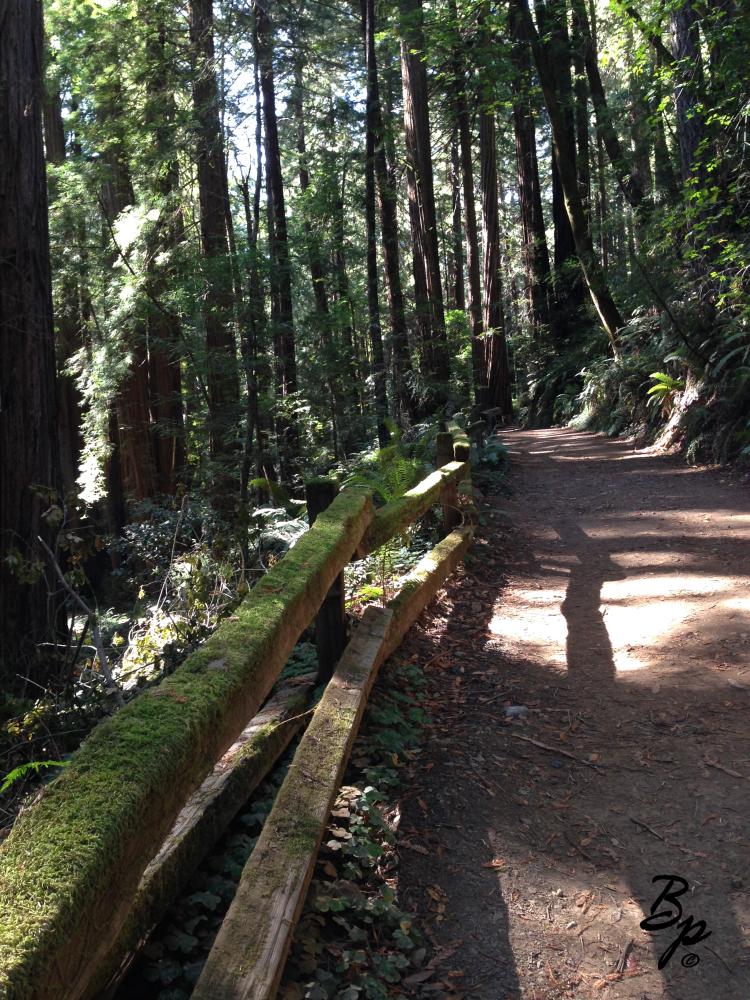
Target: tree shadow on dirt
{"type": "Point", "coordinates": [647, 804]}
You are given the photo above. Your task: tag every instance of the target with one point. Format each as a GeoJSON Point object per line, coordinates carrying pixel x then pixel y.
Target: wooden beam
{"type": "Point", "coordinates": [449, 499]}
{"type": "Point", "coordinates": [248, 956]}
{"type": "Point", "coordinates": [422, 583]}
{"type": "Point", "coordinates": [247, 959]}
{"type": "Point", "coordinates": [73, 861]}
{"type": "Point", "coordinates": [397, 515]}
{"type": "Point", "coordinates": [203, 820]}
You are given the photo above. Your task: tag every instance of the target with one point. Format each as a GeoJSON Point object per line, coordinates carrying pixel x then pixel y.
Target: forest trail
{"type": "Point", "coordinates": [609, 595]}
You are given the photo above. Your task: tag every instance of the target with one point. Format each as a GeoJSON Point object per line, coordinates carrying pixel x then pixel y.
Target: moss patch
{"type": "Point", "coordinates": [397, 515]}
{"type": "Point", "coordinates": [273, 885]}
{"type": "Point", "coordinates": [73, 860]}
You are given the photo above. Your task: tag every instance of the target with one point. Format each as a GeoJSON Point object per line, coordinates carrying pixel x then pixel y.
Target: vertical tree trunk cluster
{"type": "Point", "coordinates": [282, 317]}
{"type": "Point", "coordinates": [373, 306]}
{"type": "Point", "coordinates": [427, 279]}
{"type": "Point", "coordinates": [221, 348]}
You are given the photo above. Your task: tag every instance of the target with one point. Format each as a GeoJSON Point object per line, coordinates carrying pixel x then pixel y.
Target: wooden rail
{"type": "Point", "coordinates": [74, 868]}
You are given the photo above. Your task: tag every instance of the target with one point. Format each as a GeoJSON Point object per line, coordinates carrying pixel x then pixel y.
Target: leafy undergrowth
{"type": "Point", "coordinates": [353, 941]}
{"type": "Point", "coordinates": [170, 964]}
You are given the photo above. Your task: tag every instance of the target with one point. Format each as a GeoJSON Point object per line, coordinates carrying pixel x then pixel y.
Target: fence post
{"type": "Point", "coordinates": [330, 623]}
{"type": "Point", "coordinates": [449, 501]}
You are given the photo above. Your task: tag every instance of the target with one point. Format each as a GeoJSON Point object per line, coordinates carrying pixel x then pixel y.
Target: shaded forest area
{"type": "Point", "coordinates": [243, 244]}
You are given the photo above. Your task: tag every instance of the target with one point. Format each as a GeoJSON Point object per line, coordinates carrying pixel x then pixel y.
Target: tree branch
{"type": "Point", "coordinates": [93, 622]}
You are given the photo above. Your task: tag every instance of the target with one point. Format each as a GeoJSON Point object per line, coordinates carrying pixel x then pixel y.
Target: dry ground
{"type": "Point", "coordinates": [609, 595]}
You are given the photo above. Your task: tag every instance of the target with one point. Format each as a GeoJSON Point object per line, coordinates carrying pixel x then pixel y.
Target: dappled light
{"type": "Point", "coordinates": [607, 740]}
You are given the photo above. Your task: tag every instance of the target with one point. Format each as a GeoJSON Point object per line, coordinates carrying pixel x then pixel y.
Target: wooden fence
{"type": "Point", "coordinates": [93, 865]}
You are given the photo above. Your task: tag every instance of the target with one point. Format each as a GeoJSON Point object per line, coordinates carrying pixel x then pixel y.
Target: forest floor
{"type": "Point", "coordinates": [609, 595]}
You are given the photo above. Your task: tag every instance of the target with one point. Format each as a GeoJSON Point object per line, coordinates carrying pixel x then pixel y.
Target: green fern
{"type": "Point", "coordinates": [663, 391]}
{"type": "Point", "coordinates": [33, 765]}
{"type": "Point", "coordinates": [391, 474]}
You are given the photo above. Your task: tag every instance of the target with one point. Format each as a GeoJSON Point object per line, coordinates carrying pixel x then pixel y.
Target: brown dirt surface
{"type": "Point", "coordinates": [609, 595]}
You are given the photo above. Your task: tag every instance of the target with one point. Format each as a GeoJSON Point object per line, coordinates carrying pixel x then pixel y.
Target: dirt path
{"type": "Point", "coordinates": [610, 597]}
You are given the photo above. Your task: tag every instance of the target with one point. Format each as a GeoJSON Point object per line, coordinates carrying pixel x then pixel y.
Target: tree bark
{"type": "Point", "coordinates": [463, 123]}
{"type": "Point", "coordinates": [353, 365]}
{"type": "Point", "coordinates": [222, 374]}
{"type": "Point", "coordinates": [580, 90]}
{"type": "Point", "coordinates": [318, 274]}
{"type": "Point", "coordinates": [164, 327]}
{"type": "Point", "coordinates": [135, 452]}
{"type": "Point", "coordinates": [626, 178]}
{"type": "Point", "coordinates": [69, 324]}
{"type": "Point", "coordinates": [28, 438]}
{"type": "Point", "coordinates": [282, 316]}
{"type": "Point", "coordinates": [535, 251]}
{"type": "Point", "coordinates": [402, 368]}
{"type": "Point", "coordinates": [456, 287]}
{"type": "Point", "coordinates": [257, 371]}
{"type": "Point", "coordinates": [373, 306]}
{"type": "Point", "coordinates": [688, 66]}
{"type": "Point", "coordinates": [496, 371]}
{"type": "Point", "coordinates": [421, 190]}
{"type": "Point", "coordinates": [596, 283]}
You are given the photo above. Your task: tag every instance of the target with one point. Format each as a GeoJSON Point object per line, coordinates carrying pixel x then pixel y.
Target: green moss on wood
{"type": "Point", "coordinates": [72, 862]}
{"type": "Point", "coordinates": [273, 885]}
{"type": "Point", "coordinates": [397, 515]}
{"type": "Point", "coordinates": [421, 584]}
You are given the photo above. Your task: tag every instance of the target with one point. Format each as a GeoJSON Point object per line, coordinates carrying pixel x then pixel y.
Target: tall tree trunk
{"type": "Point", "coordinates": [568, 286]}
{"type": "Point", "coordinates": [317, 271]}
{"type": "Point", "coordinates": [257, 372]}
{"type": "Point", "coordinates": [402, 369]}
{"type": "Point", "coordinates": [602, 206]}
{"type": "Point", "coordinates": [222, 374]}
{"type": "Point", "coordinates": [473, 266]}
{"type": "Point", "coordinates": [626, 178]}
{"type": "Point", "coordinates": [583, 152]}
{"type": "Point", "coordinates": [282, 316]}
{"type": "Point", "coordinates": [28, 439]}
{"type": "Point", "coordinates": [665, 178]}
{"type": "Point", "coordinates": [535, 251]}
{"type": "Point", "coordinates": [373, 307]}
{"type": "Point", "coordinates": [497, 374]}
{"type": "Point", "coordinates": [688, 68]}
{"type": "Point", "coordinates": [353, 367]}
{"type": "Point", "coordinates": [640, 129]}
{"type": "Point", "coordinates": [457, 290]}
{"type": "Point", "coordinates": [420, 184]}
{"type": "Point", "coordinates": [164, 327]}
{"type": "Point", "coordinates": [596, 283]}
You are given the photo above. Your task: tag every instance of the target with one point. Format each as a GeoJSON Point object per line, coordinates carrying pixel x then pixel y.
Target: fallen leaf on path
{"type": "Point", "coordinates": [419, 977]}
{"type": "Point", "coordinates": [497, 863]}
{"type": "Point", "coordinates": [414, 847]}
{"type": "Point", "coordinates": [720, 767]}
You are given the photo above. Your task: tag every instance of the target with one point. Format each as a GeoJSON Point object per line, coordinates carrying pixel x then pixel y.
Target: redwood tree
{"type": "Point", "coordinates": [421, 193]}
{"type": "Point", "coordinates": [222, 371]}
{"type": "Point", "coordinates": [28, 439]}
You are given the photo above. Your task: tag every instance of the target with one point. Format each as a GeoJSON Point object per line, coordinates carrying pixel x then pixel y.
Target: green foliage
{"type": "Point", "coordinates": [389, 473]}
{"type": "Point", "coordinates": [662, 393]}
{"type": "Point", "coordinates": [31, 767]}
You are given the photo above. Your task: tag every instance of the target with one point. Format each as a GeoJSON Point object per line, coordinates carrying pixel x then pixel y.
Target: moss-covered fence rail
{"type": "Point", "coordinates": [71, 869]}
